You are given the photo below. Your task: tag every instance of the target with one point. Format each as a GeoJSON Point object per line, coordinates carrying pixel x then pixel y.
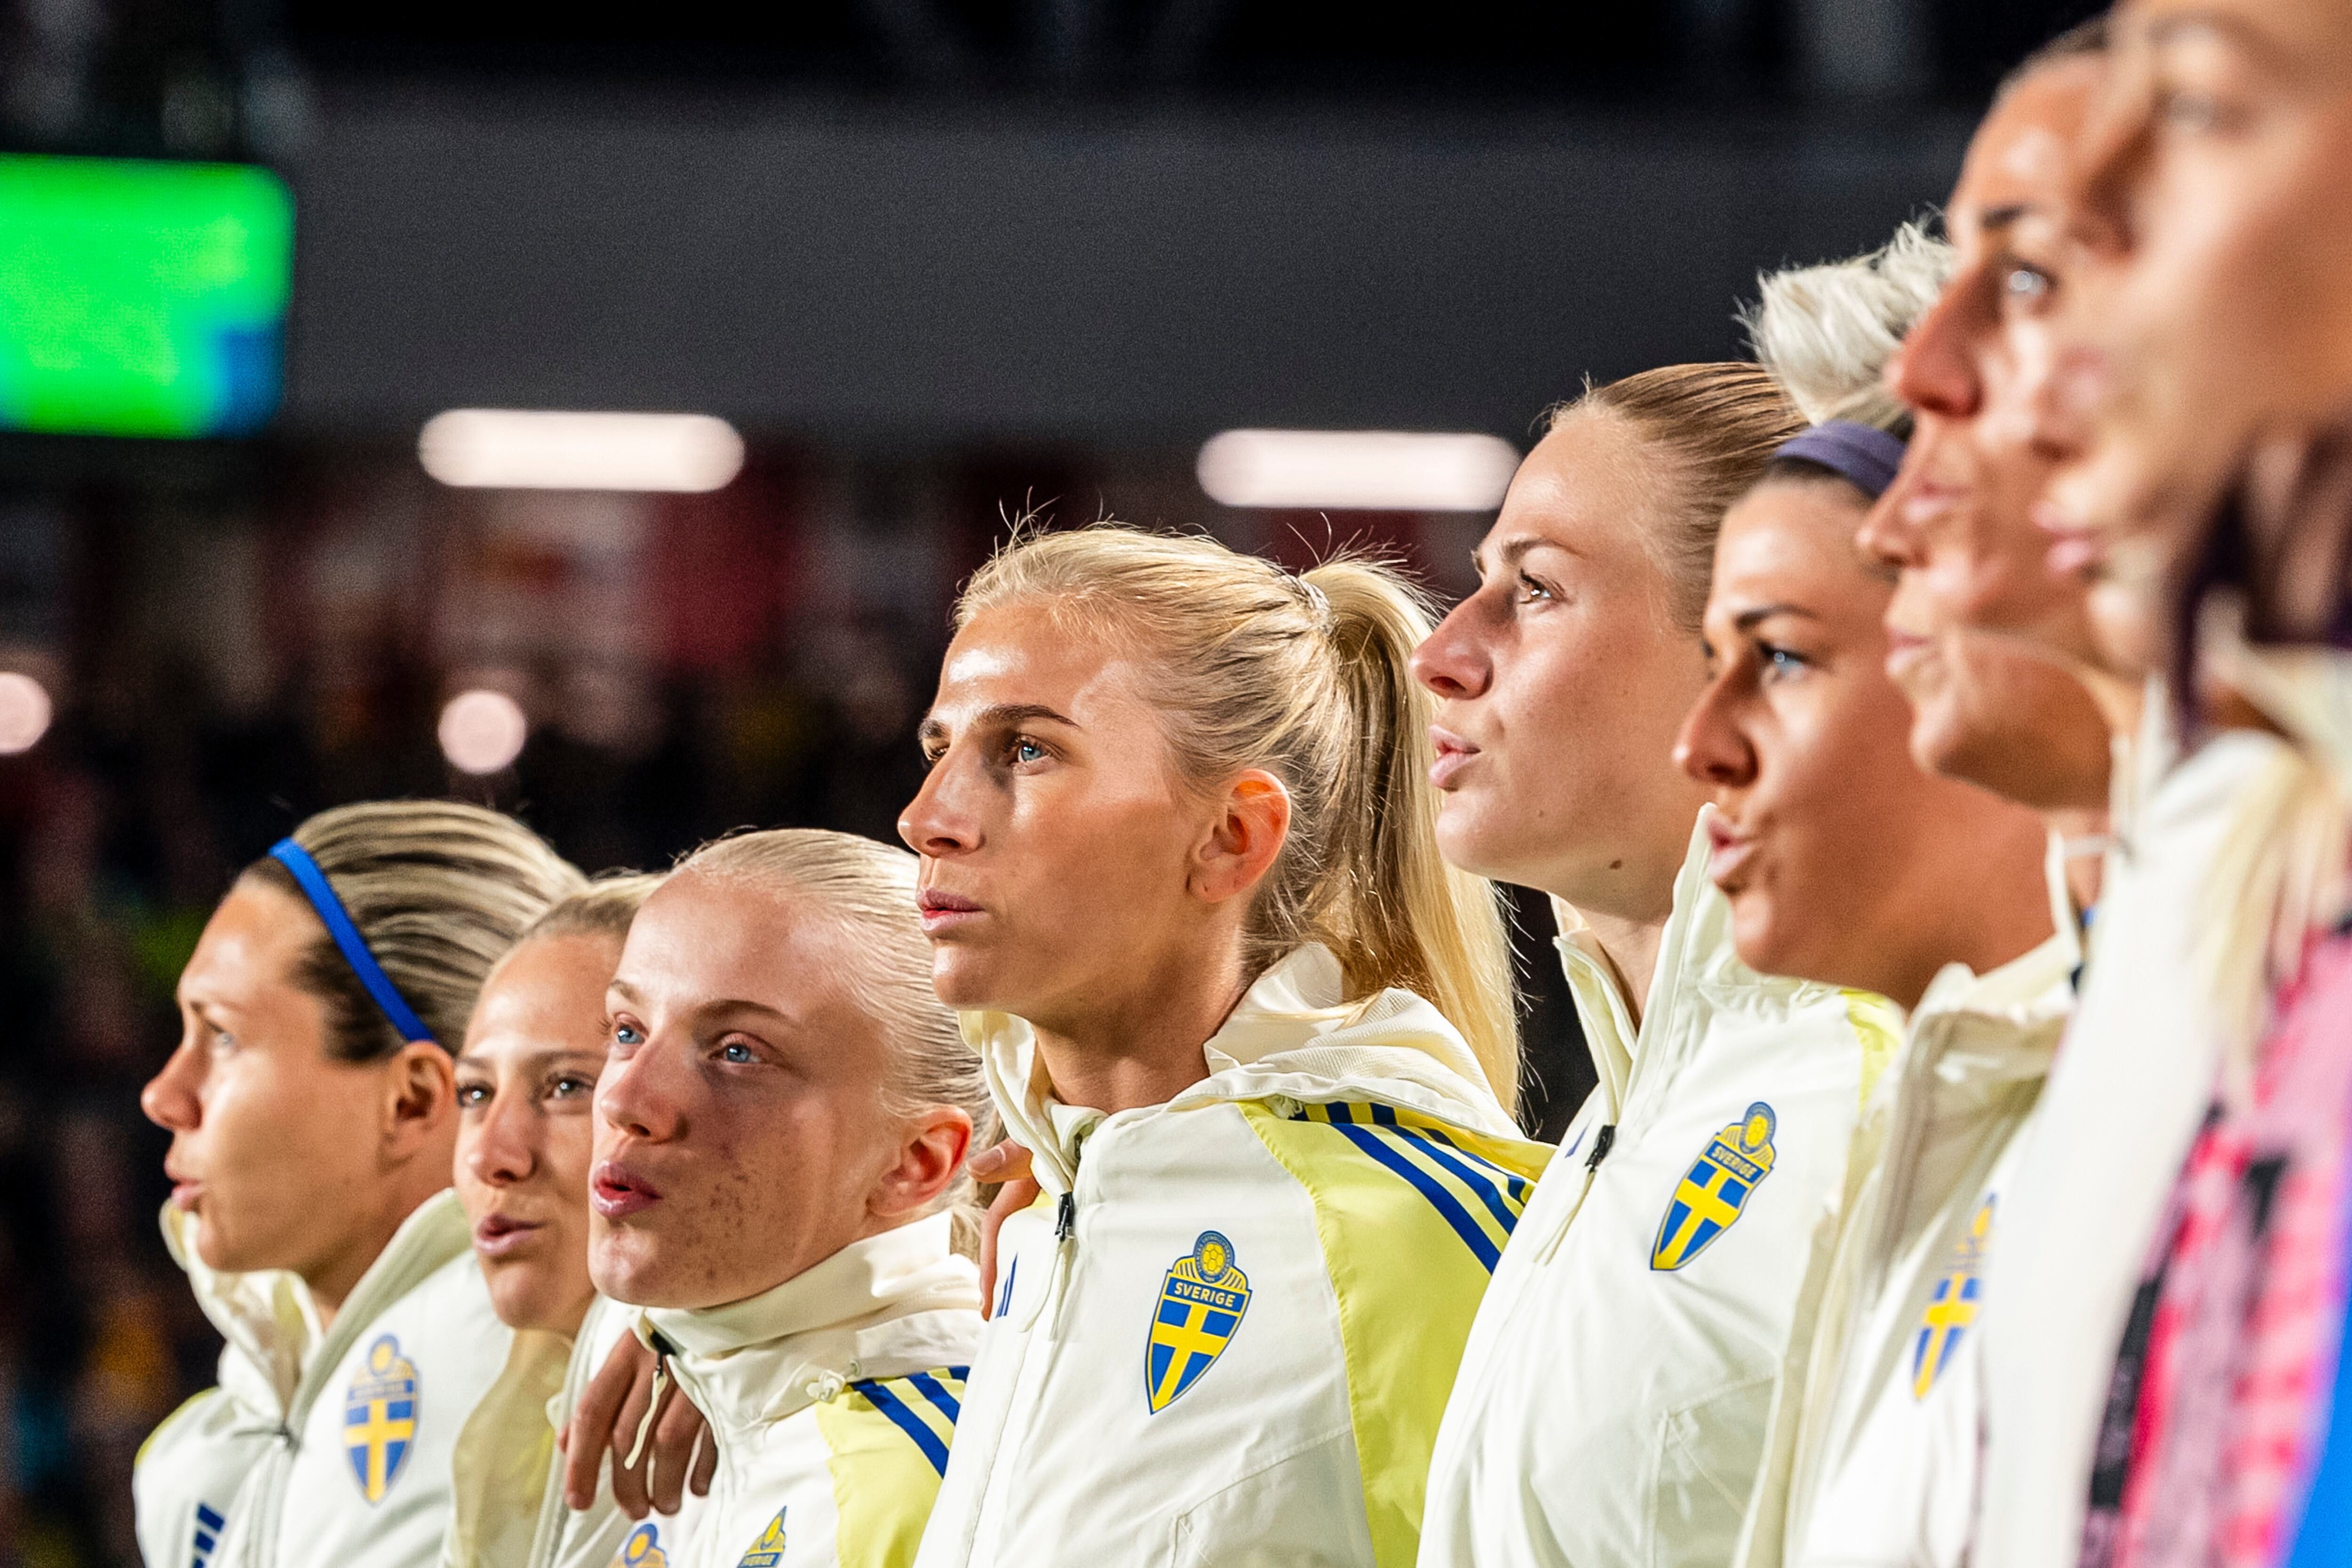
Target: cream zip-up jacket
{"type": "Point", "coordinates": [2122, 1104]}
{"type": "Point", "coordinates": [833, 1400]}
{"type": "Point", "coordinates": [1612, 1403]}
{"type": "Point", "coordinates": [342, 1438]}
{"type": "Point", "coordinates": [1225, 1334]}
{"type": "Point", "coordinates": [1871, 1462]}
{"type": "Point", "coordinates": [593, 1537]}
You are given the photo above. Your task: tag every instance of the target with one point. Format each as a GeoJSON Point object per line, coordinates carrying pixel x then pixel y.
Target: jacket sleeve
{"type": "Point", "coordinates": [1413, 1215]}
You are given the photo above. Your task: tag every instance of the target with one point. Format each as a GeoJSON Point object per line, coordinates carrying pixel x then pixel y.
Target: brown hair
{"type": "Point", "coordinates": [1308, 677]}
{"type": "Point", "coordinates": [1714, 426]}
{"type": "Point", "coordinates": [606, 907]}
{"type": "Point", "coordinates": [439, 890]}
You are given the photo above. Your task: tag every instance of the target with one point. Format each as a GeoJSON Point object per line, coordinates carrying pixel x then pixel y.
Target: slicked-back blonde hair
{"type": "Point", "coordinates": [1710, 428]}
{"type": "Point", "coordinates": [866, 889]}
{"type": "Point", "coordinates": [1826, 332]}
{"type": "Point", "coordinates": [440, 890]}
{"type": "Point", "coordinates": [606, 907]}
{"type": "Point", "coordinates": [1307, 678]}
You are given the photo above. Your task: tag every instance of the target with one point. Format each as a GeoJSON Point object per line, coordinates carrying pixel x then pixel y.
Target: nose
{"type": "Point", "coordinates": [171, 1099]}
{"type": "Point", "coordinates": [1885, 535]}
{"type": "Point", "coordinates": [503, 1149]}
{"type": "Point", "coordinates": [939, 821]}
{"type": "Point", "coordinates": [639, 1097]}
{"type": "Point", "coordinates": [1934, 371]}
{"type": "Point", "coordinates": [1712, 748]}
{"type": "Point", "coordinates": [1453, 661]}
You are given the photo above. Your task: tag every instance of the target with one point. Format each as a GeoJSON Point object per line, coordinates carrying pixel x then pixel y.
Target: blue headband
{"type": "Point", "coordinates": [315, 888]}
{"type": "Point", "coordinates": [1864, 454]}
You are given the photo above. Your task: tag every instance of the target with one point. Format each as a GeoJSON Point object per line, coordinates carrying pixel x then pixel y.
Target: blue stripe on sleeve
{"type": "Point", "coordinates": [929, 1388]}
{"type": "Point", "coordinates": [1471, 1179]}
{"type": "Point", "coordinates": [1453, 1213]}
{"type": "Point", "coordinates": [907, 1421]}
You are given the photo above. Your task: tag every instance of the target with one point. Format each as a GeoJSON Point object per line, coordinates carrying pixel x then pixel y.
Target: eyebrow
{"type": "Point", "coordinates": [997, 714]}
{"type": "Point", "coordinates": [1749, 620]}
{"type": "Point", "coordinates": [2002, 216]}
{"type": "Point", "coordinates": [1514, 550]}
{"type": "Point", "coordinates": [541, 1058]}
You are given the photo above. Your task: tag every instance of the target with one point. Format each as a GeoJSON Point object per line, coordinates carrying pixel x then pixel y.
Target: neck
{"type": "Point", "coordinates": [1142, 1045]}
{"type": "Point", "coordinates": [1631, 948]}
{"type": "Point", "coordinates": [333, 1279]}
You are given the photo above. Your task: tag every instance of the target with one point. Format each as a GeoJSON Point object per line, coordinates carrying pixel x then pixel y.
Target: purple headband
{"type": "Point", "coordinates": [1862, 453]}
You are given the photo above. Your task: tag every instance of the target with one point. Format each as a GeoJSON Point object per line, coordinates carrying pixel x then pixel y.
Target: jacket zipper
{"type": "Point", "coordinates": [1603, 1142]}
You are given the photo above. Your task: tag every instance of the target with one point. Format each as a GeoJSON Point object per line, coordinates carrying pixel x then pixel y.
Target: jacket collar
{"type": "Point", "coordinates": [279, 1348]}
{"type": "Point", "coordinates": [1293, 1034]}
{"type": "Point", "coordinates": [1694, 953]}
{"type": "Point", "coordinates": [893, 1303]}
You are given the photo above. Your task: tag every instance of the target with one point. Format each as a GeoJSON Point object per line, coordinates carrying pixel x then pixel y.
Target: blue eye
{"type": "Point", "coordinates": [472, 1097]}
{"type": "Point", "coordinates": [628, 1035]}
{"type": "Point", "coordinates": [2026, 285]}
{"type": "Point", "coordinates": [1027, 750]}
{"type": "Point", "coordinates": [571, 1086]}
{"type": "Point", "coordinates": [1779, 663]}
{"type": "Point", "coordinates": [740, 1054]}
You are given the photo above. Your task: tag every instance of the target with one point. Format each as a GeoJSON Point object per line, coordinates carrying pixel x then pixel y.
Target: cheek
{"type": "Point", "coordinates": [569, 1151]}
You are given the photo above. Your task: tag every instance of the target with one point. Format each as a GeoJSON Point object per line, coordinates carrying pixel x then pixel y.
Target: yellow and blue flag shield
{"type": "Point", "coordinates": [643, 1549]}
{"type": "Point", "coordinates": [1711, 1197]}
{"type": "Point", "coordinates": [380, 1418]}
{"type": "Point", "coordinates": [1202, 1299]}
{"type": "Point", "coordinates": [1951, 1309]}
{"type": "Point", "coordinates": [768, 1550]}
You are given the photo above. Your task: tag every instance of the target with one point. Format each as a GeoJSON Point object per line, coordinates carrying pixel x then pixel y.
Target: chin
{"type": "Point", "coordinates": [1466, 849]}
{"type": "Point", "coordinates": [962, 978]}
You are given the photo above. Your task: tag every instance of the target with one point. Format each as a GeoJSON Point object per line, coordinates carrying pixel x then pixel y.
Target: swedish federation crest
{"type": "Point", "coordinates": [1202, 1299]}
{"type": "Point", "coordinates": [380, 1418]}
{"type": "Point", "coordinates": [643, 1549]}
{"type": "Point", "coordinates": [1951, 1309]}
{"type": "Point", "coordinates": [1711, 1197]}
{"type": "Point", "coordinates": [768, 1550]}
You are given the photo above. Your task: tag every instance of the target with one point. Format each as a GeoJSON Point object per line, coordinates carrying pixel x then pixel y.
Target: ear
{"type": "Point", "coordinates": [1253, 820]}
{"type": "Point", "coordinates": [930, 1159]}
{"type": "Point", "coordinates": [420, 1096]}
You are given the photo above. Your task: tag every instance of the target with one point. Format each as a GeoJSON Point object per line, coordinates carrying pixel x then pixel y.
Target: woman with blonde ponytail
{"type": "Point", "coordinates": [1179, 874]}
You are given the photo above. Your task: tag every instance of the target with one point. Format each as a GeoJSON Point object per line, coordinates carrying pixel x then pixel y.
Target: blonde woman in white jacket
{"type": "Point", "coordinates": [1179, 872]}
{"type": "Point", "coordinates": [526, 1076]}
{"type": "Point", "coordinates": [312, 1111]}
{"type": "Point", "coordinates": [780, 1138]}
{"type": "Point", "coordinates": [1612, 1399]}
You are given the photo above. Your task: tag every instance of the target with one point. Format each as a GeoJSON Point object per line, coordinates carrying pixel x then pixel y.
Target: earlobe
{"type": "Point", "coordinates": [1247, 839]}
{"type": "Point", "coordinates": [928, 1164]}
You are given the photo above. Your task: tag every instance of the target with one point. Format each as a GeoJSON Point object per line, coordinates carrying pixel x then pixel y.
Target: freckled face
{"type": "Point", "coordinates": [739, 1131]}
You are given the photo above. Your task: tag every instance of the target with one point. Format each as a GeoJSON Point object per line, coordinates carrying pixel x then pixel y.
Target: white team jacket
{"type": "Point", "coordinates": [1612, 1405]}
{"type": "Point", "coordinates": [342, 1438]}
{"type": "Point", "coordinates": [1237, 1348]}
{"type": "Point", "coordinates": [593, 1537]}
{"type": "Point", "coordinates": [833, 1400]}
{"type": "Point", "coordinates": [1871, 1462]}
{"type": "Point", "coordinates": [2122, 1104]}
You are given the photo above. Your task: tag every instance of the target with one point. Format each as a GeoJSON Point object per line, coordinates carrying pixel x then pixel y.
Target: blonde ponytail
{"type": "Point", "coordinates": [1410, 919]}
{"type": "Point", "coordinates": [1305, 677]}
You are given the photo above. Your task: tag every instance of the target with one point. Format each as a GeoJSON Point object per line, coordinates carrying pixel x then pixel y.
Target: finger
{"type": "Point", "coordinates": [999, 1162]}
{"type": "Point", "coordinates": [589, 1431]}
{"type": "Point", "coordinates": [629, 1480]}
{"type": "Point", "coordinates": [706, 1463]}
{"type": "Point", "coordinates": [672, 1451]}
{"type": "Point", "coordinates": [1017, 1195]}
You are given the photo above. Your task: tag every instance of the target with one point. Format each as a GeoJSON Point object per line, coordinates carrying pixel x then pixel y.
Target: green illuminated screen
{"type": "Point", "coordinates": [140, 299]}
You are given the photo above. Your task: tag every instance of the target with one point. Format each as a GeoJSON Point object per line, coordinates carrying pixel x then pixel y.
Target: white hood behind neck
{"type": "Point", "coordinates": [1291, 1034]}
{"type": "Point", "coordinates": [892, 1304]}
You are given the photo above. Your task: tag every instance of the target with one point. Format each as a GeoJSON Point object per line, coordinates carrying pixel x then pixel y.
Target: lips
{"type": "Point", "coordinates": [1728, 852]}
{"type": "Point", "coordinates": [1454, 754]}
{"type": "Point", "coordinates": [498, 1234]}
{"type": "Point", "coordinates": [943, 911]}
{"type": "Point", "coordinates": [616, 1191]}
{"type": "Point", "coordinates": [1905, 651]}
{"type": "Point", "coordinates": [185, 1189]}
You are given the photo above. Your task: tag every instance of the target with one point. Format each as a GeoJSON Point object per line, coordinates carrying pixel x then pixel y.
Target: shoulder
{"type": "Point", "coordinates": [1438, 1193]}
{"type": "Point", "coordinates": [886, 1443]}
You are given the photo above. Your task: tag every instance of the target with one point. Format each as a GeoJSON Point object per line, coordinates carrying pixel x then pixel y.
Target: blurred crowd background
{"type": "Point", "coordinates": [941, 263]}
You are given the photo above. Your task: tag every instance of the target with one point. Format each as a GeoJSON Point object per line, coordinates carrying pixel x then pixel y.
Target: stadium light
{"type": "Point", "coordinates": [25, 713]}
{"type": "Point", "coordinates": [1357, 470]}
{"type": "Point", "coordinates": [482, 731]}
{"type": "Point", "coordinates": [511, 448]}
